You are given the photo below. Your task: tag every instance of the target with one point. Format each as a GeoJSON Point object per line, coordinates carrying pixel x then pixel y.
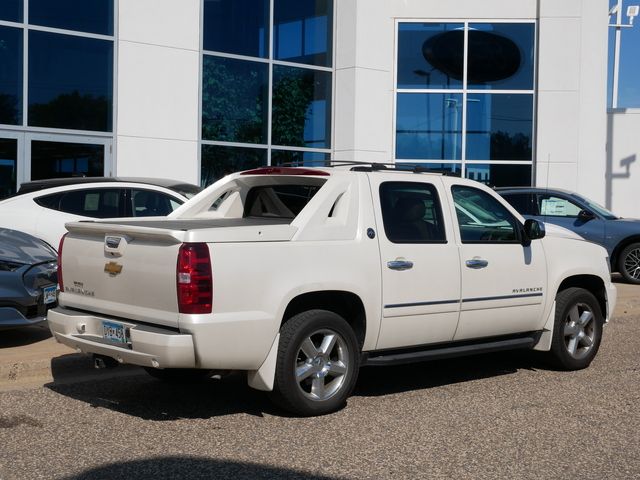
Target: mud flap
{"type": "Point", "coordinates": [544, 344]}
{"type": "Point", "coordinates": [263, 378]}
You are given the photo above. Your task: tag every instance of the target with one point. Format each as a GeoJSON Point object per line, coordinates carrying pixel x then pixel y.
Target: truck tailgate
{"type": "Point", "coordinates": [122, 271]}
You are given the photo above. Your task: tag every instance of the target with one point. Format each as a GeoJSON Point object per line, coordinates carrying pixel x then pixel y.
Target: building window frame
{"type": "Point", "coordinates": [465, 91]}
{"type": "Point", "coordinates": [272, 62]}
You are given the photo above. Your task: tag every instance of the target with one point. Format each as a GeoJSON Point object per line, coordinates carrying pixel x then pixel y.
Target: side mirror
{"type": "Point", "coordinates": [533, 230]}
{"type": "Point", "coordinates": [586, 215]}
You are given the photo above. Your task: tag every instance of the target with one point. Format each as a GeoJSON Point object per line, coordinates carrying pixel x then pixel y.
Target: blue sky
{"type": "Point", "coordinates": [629, 84]}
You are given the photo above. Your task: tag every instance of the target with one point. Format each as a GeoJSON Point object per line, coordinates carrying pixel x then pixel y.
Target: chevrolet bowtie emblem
{"type": "Point", "coordinates": [112, 268]}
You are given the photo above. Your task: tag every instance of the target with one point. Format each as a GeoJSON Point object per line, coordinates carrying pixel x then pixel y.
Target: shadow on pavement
{"type": "Point", "coordinates": [192, 468]}
{"type": "Point", "coordinates": [23, 336]}
{"type": "Point", "coordinates": [130, 391]}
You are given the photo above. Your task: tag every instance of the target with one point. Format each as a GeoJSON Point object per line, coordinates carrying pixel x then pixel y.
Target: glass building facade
{"type": "Point", "coordinates": [267, 84]}
{"type": "Point", "coordinates": [56, 89]}
{"type": "Point", "coordinates": [465, 99]}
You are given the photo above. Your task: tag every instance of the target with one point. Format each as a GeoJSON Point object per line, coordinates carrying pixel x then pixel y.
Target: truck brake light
{"type": "Point", "coordinates": [194, 279]}
{"type": "Point", "coordinates": [60, 284]}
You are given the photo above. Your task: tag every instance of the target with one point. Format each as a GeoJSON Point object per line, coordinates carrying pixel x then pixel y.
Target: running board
{"type": "Point", "coordinates": [398, 357]}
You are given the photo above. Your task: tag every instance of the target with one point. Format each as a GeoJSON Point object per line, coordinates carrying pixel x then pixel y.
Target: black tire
{"type": "Point", "coordinates": [178, 375]}
{"type": "Point", "coordinates": [331, 373]}
{"type": "Point", "coordinates": [575, 343]}
{"type": "Point", "coordinates": [629, 263]}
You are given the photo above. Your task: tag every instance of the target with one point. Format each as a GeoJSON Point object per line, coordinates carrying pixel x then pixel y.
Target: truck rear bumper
{"type": "Point", "coordinates": [147, 346]}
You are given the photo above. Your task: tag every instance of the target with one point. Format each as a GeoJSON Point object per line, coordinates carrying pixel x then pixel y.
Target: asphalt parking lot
{"type": "Point", "coordinates": [492, 416]}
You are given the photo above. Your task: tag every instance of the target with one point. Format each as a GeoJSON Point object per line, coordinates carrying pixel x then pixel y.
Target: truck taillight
{"type": "Point", "coordinates": [61, 285]}
{"type": "Point", "coordinates": [194, 279]}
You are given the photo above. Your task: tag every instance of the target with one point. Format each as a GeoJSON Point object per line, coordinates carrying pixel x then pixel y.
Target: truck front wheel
{"type": "Point", "coordinates": [577, 329]}
{"type": "Point", "coordinates": [317, 366]}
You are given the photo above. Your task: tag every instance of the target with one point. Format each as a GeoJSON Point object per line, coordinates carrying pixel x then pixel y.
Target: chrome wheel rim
{"type": "Point", "coordinates": [579, 330]}
{"type": "Point", "coordinates": [321, 365]}
{"type": "Point", "coordinates": [632, 264]}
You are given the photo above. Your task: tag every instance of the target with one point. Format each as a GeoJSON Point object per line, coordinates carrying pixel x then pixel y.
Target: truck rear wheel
{"type": "Point", "coordinates": [317, 366]}
{"type": "Point", "coordinates": [577, 330]}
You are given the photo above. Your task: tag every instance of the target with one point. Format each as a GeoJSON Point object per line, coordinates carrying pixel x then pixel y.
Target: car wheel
{"type": "Point", "coordinates": [317, 366]}
{"type": "Point", "coordinates": [577, 330]}
{"type": "Point", "coordinates": [629, 263]}
{"type": "Point", "coordinates": [178, 375]}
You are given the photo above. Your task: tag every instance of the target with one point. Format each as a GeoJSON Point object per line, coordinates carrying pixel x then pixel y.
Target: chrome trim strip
{"type": "Point", "coordinates": [502, 297]}
{"type": "Point", "coordinates": [421, 304]}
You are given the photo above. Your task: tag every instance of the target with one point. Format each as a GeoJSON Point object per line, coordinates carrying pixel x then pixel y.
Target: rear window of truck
{"type": "Point", "coordinates": [278, 201]}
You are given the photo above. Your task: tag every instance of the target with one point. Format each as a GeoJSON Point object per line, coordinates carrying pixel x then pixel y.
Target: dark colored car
{"type": "Point", "coordinates": [28, 279]}
{"type": "Point", "coordinates": [620, 236]}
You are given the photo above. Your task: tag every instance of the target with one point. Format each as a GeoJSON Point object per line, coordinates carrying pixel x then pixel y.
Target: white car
{"type": "Point", "coordinates": [299, 276]}
{"type": "Point", "coordinates": [41, 208]}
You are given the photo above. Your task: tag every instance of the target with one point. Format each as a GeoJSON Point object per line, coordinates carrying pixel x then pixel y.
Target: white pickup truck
{"type": "Point", "coordinates": [300, 276]}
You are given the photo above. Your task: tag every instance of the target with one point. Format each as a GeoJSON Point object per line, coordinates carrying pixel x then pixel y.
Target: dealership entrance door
{"type": "Point", "coordinates": [38, 156]}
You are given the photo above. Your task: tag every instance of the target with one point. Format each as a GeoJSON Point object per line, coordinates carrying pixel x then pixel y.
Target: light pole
{"type": "Point", "coordinates": [632, 12]}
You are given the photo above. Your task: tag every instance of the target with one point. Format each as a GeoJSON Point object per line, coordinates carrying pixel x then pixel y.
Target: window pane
{"type": "Point", "coordinates": [147, 203]}
{"type": "Point", "coordinates": [93, 16]}
{"type": "Point", "coordinates": [481, 218]}
{"type": "Point", "coordinates": [430, 55]}
{"type": "Point", "coordinates": [70, 82]}
{"type": "Point", "coordinates": [11, 76]}
{"type": "Point", "coordinates": [234, 100]}
{"type": "Point", "coordinates": [11, 10]}
{"type": "Point", "coordinates": [8, 165]}
{"type": "Point", "coordinates": [58, 159]}
{"type": "Point", "coordinates": [279, 201]}
{"type": "Point", "coordinates": [96, 203]}
{"type": "Point", "coordinates": [500, 175]}
{"type": "Point", "coordinates": [299, 159]}
{"type": "Point", "coordinates": [451, 169]}
{"type": "Point", "coordinates": [499, 127]}
{"type": "Point", "coordinates": [237, 26]}
{"type": "Point", "coordinates": [301, 107]}
{"type": "Point", "coordinates": [501, 56]}
{"type": "Point", "coordinates": [218, 161]}
{"type": "Point", "coordinates": [302, 31]}
{"type": "Point", "coordinates": [411, 213]}
{"type": "Point", "coordinates": [524, 203]}
{"type": "Point", "coordinates": [429, 126]}
{"type": "Point", "coordinates": [558, 207]}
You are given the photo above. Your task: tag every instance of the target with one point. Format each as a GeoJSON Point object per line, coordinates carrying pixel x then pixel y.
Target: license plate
{"type": "Point", "coordinates": [50, 294]}
{"type": "Point", "coordinates": [114, 332]}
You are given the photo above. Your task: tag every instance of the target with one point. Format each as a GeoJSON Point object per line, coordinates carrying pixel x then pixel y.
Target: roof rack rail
{"type": "Point", "coordinates": [359, 166]}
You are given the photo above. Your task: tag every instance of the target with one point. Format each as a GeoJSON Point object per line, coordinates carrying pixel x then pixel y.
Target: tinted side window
{"type": "Point", "coordinates": [482, 219]}
{"type": "Point", "coordinates": [50, 201]}
{"type": "Point", "coordinates": [96, 203]}
{"type": "Point", "coordinates": [524, 203]}
{"type": "Point", "coordinates": [411, 213]}
{"type": "Point", "coordinates": [553, 206]}
{"type": "Point", "coordinates": [147, 203]}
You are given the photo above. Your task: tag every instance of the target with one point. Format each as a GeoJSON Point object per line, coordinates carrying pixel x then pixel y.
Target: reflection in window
{"type": "Point", "coordinates": [299, 159]}
{"type": "Point", "coordinates": [501, 56]}
{"type": "Point", "coordinates": [430, 55]}
{"type": "Point", "coordinates": [92, 16]}
{"type": "Point", "coordinates": [429, 126]}
{"type": "Point", "coordinates": [8, 165]}
{"type": "Point", "coordinates": [147, 203]}
{"type": "Point", "coordinates": [70, 82]}
{"type": "Point", "coordinates": [234, 100]}
{"type": "Point", "coordinates": [499, 127]}
{"type": "Point", "coordinates": [302, 31]}
{"type": "Point", "coordinates": [61, 160]}
{"type": "Point", "coordinates": [237, 26]}
{"type": "Point", "coordinates": [11, 76]}
{"type": "Point", "coordinates": [500, 175]}
{"type": "Point", "coordinates": [301, 107]}
{"type": "Point", "coordinates": [218, 161]}
{"type": "Point", "coordinates": [11, 10]}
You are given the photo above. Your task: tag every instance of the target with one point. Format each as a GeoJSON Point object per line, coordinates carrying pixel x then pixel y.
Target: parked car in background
{"type": "Point", "coordinates": [28, 279]}
{"type": "Point", "coordinates": [620, 236]}
{"type": "Point", "coordinates": [41, 208]}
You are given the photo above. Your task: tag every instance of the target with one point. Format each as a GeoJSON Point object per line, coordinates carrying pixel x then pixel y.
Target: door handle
{"type": "Point", "coordinates": [400, 264]}
{"type": "Point", "coordinates": [476, 263]}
